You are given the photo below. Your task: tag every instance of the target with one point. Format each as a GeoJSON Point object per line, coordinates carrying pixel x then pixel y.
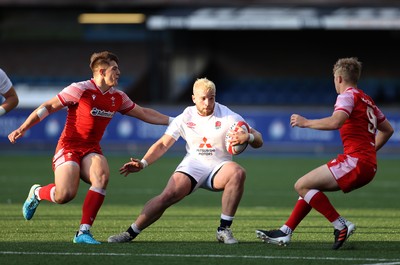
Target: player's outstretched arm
{"type": "Point", "coordinates": [157, 150]}
{"type": "Point", "coordinates": [133, 166]}
{"type": "Point", "coordinates": [149, 115]}
{"type": "Point", "coordinates": [35, 117]}
{"type": "Point", "coordinates": [333, 122]}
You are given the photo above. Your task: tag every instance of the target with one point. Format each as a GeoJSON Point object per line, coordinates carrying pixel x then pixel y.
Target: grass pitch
{"type": "Point", "coordinates": [185, 234]}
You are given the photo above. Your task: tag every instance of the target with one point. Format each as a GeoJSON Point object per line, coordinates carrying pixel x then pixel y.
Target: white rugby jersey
{"type": "Point", "coordinates": [5, 82]}
{"type": "Point", "coordinates": [204, 135]}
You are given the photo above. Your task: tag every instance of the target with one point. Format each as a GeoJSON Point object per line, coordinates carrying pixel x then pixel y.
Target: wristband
{"type": "Point", "coordinates": [42, 113]}
{"type": "Point", "coordinates": [251, 138]}
{"type": "Point", "coordinates": [170, 119]}
{"type": "Point", "coordinates": [2, 111]}
{"type": "Point", "coordinates": [144, 163]}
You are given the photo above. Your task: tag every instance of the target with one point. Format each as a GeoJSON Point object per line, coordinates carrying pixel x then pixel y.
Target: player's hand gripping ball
{"type": "Point", "coordinates": [238, 148]}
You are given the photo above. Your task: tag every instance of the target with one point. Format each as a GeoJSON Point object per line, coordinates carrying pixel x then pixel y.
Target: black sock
{"type": "Point", "coordinates": [224, 224]}
{"type": "Point", "coordinates": [132, 233]}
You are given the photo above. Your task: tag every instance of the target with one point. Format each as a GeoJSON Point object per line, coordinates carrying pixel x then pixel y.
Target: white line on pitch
{"type": "Point", "coordinates": [385, 261]}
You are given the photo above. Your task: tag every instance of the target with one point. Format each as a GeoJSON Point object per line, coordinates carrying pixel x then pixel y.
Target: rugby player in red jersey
{"type": "Point", "coordinates": [91, 106]}
{"type": "Point", "coordinates": [363, 129]}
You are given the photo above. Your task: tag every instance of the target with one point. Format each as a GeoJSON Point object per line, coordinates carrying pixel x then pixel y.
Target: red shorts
{"type": "Point", "coordinates": [351, 173]}
{"type": "Point", "coordinates": [67, 153]}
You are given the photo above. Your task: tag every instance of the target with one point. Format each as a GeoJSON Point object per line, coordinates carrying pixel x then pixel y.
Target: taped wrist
{"type": "Point", "coordinates": [251, 138]}
{"type": "Point", "coordinates": [2, 111]}
{"type": "Point", "coordinates": [42, 113]}
{"type": "Point", "coordinates": [144, 163]}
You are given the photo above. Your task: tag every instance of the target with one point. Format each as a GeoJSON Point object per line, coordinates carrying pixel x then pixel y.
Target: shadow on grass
{"type": "Point", "coordinates": [205, 248]}
{"type": "Point", "coordinates": [190, 252]}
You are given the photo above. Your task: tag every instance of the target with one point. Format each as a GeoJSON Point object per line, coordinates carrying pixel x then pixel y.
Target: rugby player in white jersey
{"type": "Point", "coordinates": [207, 164]}
{"type": "Point", "coordinates": [8, 92]}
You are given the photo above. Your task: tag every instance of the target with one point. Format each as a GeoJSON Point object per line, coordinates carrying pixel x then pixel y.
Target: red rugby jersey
{"type": "Point", "coordinates": [90, 111]}
{"type": "Point", "coordinates": [358, 131]}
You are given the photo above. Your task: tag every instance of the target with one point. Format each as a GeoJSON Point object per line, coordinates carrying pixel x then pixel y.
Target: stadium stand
{"type": "Point", "coordinates": [274, 67]}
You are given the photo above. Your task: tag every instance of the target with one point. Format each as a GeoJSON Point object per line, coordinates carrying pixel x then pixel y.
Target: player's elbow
{"type": "Point", "coordinates": [336, 125]}
{"type": "Point", "coordinates": [257, 143]}
{"type": "Point", "coordinates": [389, 130]}
{"type": "Point", "coordinates": [388, 133]}
{"type": "Point", "coordinates": [13, 102]}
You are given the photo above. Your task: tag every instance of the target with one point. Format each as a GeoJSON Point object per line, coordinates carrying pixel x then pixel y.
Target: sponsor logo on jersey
{"type": "Point", "coordinates": [205, 149]}
{"type": "Point", "coordinates": [205, 143]}
{"type": "Point", "coordinates": [102, 113]}
{"type": "Point", "coordinates": [191, 125]}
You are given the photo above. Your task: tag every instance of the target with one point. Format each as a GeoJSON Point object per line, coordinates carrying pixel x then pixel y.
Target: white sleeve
{"type": "Point", "coordinates": [174, 128]}
{"type": "Point", "coordinates": [5, 82]}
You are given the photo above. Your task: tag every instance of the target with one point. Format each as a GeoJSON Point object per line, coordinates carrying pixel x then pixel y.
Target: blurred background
{"type": "Point", "coordinates": [268, 58]}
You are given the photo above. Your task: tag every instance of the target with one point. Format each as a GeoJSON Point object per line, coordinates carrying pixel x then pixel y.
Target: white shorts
{"type": "Point", "coordinates": [201, 171]}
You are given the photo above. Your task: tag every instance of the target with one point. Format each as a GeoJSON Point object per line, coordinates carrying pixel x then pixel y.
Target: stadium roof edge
{"type": "Point", "coordinates": [194, 3]}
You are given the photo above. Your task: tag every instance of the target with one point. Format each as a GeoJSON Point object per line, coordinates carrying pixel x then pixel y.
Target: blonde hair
{"type": "Point", "coordinates": [349, 69]}
{"type": "Point", "coordinates": [203, 84]}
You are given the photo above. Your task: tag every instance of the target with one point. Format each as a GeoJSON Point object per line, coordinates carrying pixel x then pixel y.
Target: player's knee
{"type": "Point", "coordinates": [104, 180]}
{"type": "Point", "coordinates": [241, 171]}
{"type": "Point", "coordinates": [169, 198]}
{"type": "Point", "coordinates": [100, 180]}
{"type": "Point", "coordinates": [299, 187]}
{"type": "Point", "coordinates": [64, 197]}
{"type": "Point", "coordinates": [240, 175]}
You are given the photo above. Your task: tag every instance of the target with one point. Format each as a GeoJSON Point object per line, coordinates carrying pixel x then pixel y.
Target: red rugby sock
{"type": "Point", "coordinates": [47, 192]}
{"type": "Point", "coordinates": [300, 210]}
{"type": "Point", "coordinates": [91, 206]}
{"type": "Point", "coordinates": [321, 203]}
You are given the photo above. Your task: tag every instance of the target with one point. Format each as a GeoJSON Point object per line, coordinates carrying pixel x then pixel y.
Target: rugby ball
{"type": "Point", "coordinates": [239, 148]}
